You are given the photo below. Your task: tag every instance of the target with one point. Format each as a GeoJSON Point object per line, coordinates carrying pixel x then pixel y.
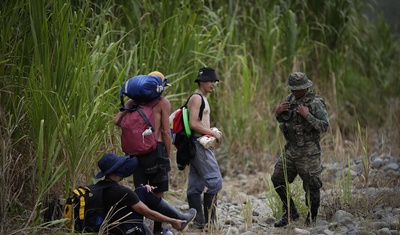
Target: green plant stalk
{"type": "Point", "coordinates": [347, 186]}
{"type": "Point", "coordinates": [366, 163]}
{"type": "Point", "coordinates": [272, 198]}
{"type": "Point", "coordinates": [248, 213]}
{"type": "Point", "coordinates": [47, 174]}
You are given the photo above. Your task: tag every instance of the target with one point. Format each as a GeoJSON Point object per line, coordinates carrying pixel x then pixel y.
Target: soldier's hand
{"type": "Point", "coordinates": [302, 110]}
{"type": "Point", "coordinates": [282, 108]}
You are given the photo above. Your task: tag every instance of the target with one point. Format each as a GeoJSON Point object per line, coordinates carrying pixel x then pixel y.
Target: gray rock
{"type": "Point", "coordinates": [384, 231]}
{"type": "Point", "coordinates": [365, 232]}
{"type": "Point", "coordinates": [301, 231]}
{"type": "Point", "coordinates": [391, 166]}
{"type": "Point", "coordinates": [340, 214]}
{"type": "Point", "coordinates": [377, 163]}
{"type": "Point", "coordinates": [319, 230]}
{"type": "Point", "coordinates": [248, 233]}
{"type": "Point", "coordinates": [379, 225]}
{"type": "Point", "coordinates": [328, 232]}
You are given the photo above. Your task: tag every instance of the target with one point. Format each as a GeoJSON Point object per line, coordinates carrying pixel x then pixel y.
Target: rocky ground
{"type": "Point", "coordinates": [246, 206]}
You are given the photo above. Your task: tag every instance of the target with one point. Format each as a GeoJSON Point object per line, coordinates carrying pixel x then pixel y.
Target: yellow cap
{"type": "Point", "coordinates": [158, 74]}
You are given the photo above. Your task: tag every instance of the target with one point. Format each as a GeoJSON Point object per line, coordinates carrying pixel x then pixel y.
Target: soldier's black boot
{"type": "Point", "coordinates": [283, 221]}
{"type": "Point", "coordinates": [311, 217]}
{"type": "Point", "coordinates": [166, 209]}
{"type": "Point", "coordinates": [194, 201]}
{"type": "Point", "coordinates": [210, 201]}
{"type": "Point", "coordinates": [294, 215]}
{"type": "Point", "coordinates": [313, 213]}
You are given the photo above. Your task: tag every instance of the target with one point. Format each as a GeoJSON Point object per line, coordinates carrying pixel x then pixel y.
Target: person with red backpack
{"type": "Point", "coordinates": [204, 170]}
{"type": "Point", "coordinates": [154, 165]}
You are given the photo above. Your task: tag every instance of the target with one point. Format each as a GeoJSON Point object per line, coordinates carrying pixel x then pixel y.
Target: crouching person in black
{"type": "Point", "coordinates": [126, 207]}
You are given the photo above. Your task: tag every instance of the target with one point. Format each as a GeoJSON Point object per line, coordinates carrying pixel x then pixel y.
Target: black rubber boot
{"type": "Point", "coordinates": [209, 205]}
{"type": "Point", "coordinates": [313, 213]}
{"type": "Point", "coordinates": [313, 219]}
{"type": "Point", "coordinates": [283, 221]}
{"type": "Point", "coordinates": [194, 201]}
{"type": "Point", "coordinates": [166, 209]}
{"type": "Point", "coordinates": [294, 215]}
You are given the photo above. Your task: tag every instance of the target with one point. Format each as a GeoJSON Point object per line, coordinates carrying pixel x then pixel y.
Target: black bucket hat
{"type": "Point", "coordinates": [121, 166]}
{"type": "Point", "coordinates": [206, 75]}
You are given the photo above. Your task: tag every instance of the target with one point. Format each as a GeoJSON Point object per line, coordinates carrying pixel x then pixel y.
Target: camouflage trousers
{"type": "Point", "coordinates": [309, 169]}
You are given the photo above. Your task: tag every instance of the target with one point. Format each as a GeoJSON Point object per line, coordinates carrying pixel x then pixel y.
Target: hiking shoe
{"type": "Point", "coordinates": [284, 220]}
{"type": "Point", "coordinates": [309, 222]}
{"type": "Point", "coordinates": [281, 222]}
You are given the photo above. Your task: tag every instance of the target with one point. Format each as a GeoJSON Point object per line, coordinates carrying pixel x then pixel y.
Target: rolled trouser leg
{"type": "Point", "coordinates": [194, 201]}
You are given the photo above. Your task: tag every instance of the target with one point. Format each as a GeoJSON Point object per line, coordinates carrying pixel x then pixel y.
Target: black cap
{"type": "Point", "coordinates": [206, 75]}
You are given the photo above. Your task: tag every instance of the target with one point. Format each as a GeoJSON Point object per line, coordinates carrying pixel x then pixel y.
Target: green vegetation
{"type": "Point", "coordinates": [62, 64]}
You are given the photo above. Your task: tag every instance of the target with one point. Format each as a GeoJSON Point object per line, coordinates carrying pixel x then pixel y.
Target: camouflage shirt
{"type": "Point", "coordinates": [303, 134]}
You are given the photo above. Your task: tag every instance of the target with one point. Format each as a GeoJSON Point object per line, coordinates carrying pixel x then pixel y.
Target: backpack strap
{"type": "Point", "coordinates": [143, 115]}
{"type": "Point", "coordinates": [289, 97]}
{"type": "Point", "coordinates": [202, 106]}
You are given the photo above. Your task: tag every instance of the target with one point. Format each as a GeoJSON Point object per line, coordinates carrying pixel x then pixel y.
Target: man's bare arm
{"type": "Point", "coordinates": [195, 124]}
{"type": "Point", "coordinates": [118, 117]}
{"type": "Point", "coordinates": [165, 132]}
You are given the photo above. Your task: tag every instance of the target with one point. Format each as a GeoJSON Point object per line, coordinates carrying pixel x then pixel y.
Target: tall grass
{"type": "Point", "coordinates": [62, 64]}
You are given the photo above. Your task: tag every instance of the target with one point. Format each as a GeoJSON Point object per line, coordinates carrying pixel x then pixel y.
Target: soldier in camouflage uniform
{"type": "Point", "coordinates": [302, 117]}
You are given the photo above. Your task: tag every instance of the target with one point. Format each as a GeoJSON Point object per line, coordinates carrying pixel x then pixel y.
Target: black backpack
{"type": "Point", "coordinates": [85, 208]}
{"type": "Point", "coordinates": [186, 149]}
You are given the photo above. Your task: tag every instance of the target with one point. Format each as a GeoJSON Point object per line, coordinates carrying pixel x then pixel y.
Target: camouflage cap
{"type": "Point", "coordinates": [298, 81]}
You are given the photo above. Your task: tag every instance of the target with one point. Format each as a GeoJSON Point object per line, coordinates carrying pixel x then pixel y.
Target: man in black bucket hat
{"type": "Point", "coordinates": [204, 170]}
{"type": "Point", "coordinates": [127, 206]}
{"type": "Point", "coordinates": [302, 118]}
{"type": "Point", "coordinates": [206, 75]}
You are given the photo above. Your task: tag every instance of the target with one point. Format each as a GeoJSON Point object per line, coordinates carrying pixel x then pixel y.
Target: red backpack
{"type": "Point", "coordinates": [186, 149]}
{"type": "Point", "coordinates": [137, 126]}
